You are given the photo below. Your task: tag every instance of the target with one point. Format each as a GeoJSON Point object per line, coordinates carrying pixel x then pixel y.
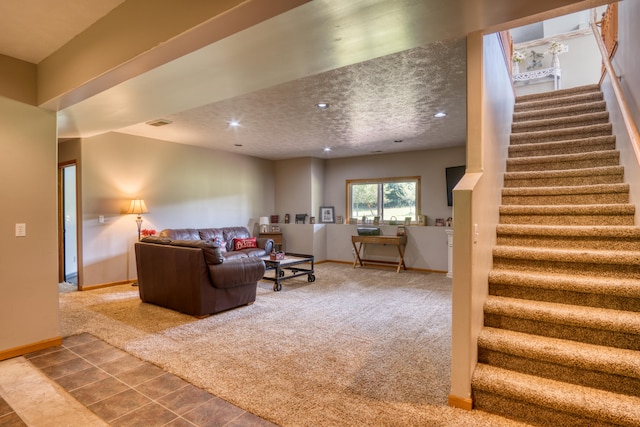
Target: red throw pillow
{"type": "Point", "coordinates": [249, 242]}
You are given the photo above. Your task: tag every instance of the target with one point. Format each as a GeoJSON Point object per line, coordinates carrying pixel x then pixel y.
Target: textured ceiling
{"type": "Point", "coordinates": [373, 104]}
{"type": "Point", "coordinates": [381, 64]}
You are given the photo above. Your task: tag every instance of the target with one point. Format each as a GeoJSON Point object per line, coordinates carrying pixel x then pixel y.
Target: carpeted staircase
{"type": "Point", "coordinates": [561, 341]}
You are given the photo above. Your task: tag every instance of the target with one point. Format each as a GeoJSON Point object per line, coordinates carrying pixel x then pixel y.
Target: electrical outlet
{"type": "Point", "coordinates": [21, 230]}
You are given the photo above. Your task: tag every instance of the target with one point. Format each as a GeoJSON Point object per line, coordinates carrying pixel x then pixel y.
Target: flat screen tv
{"type": "Point", "coordinates": [454, 174]}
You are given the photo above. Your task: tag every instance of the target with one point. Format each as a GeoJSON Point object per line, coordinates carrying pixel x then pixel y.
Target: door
{"type": "Point", "coordinates": [68, 224]}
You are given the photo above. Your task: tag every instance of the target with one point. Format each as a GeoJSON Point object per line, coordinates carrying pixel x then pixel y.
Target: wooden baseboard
{"type": "Point", "coordinates": [107, 285]}
{"type": "Point", "coordinates": [30, 348]}
{"type": "Point", "coordinates": [460, 402]}
{"type": "Point", "coordinates": [423, 270]}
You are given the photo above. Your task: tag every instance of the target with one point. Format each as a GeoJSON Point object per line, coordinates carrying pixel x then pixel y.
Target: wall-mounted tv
{"type": "Point", "coordinates": [454, 174]}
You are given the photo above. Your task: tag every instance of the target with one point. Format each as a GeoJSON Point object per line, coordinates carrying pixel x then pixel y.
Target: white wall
{"type": "Point", "coordinates": [476, 199]}
{"type": "Point", "coordinates": [28, 265]}
{"type": "Point", "coordinates": [626, 63]}
{"type": "Point", "coordinates": [183, 186]}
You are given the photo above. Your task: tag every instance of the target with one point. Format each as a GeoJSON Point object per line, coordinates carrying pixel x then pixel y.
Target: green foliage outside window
{"type": "Point", "coordinates": [384, 198]}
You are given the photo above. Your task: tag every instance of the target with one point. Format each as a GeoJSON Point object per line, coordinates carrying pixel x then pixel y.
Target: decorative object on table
{"type": "Point", "coordinates": [407, 220]}
{"type": "Point", "coordinates": [363, 220]}
{"type": "Point", "coordinates": [301, 218]}
{"type": "Point", "coordinates": [146, 232]}
{"type": "Point", "coordinates": [138, 207]}
{"type": "Point", "coordinates": [312, 220]}
{"type": "Point", "coordinates": [401, 231]}
{"type": "Point", "coordinates": [274, 256]}
{"type": "Point", "coordinates": [393, 221]}
{"type": "Point", "coordinates": [275, 228]}
{"type": "Point", "coordinates": [368, 231]}
{"type": "Point", "coordinates": [422, 220]}
{"type": "Point", "coordinates": [264, 224]}
{"type": "Point", "coordinates": [517, 58]}
{"type": "Point", "coordinates": [376, 220]}
{"type": "Point", "coordinates": [286, 219]}
{"type": "Point", "coordinates": [339, 220]}
{"type": "Point", "coordinates": [556, 49]}
{"type": "Point", "coordinates": [439, 222]}
{"type": "Point", "coordinates": [327, 215]}
{"type": "Point", "coordinates": [536, 60]}
{"type": "Point", "coordinates": [449, 222]}
{"type": "Point", "coordinates": [353, 221]}
{"type": "Point", "coordinates": [275, 219]}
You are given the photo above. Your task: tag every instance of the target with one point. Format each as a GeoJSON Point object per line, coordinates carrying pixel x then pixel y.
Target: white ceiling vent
{"type": "Point", "coordinates": [159, 122]}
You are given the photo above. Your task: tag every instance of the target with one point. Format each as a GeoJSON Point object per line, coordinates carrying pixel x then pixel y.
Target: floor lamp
{"type": "Point", "coordinates": [138, 207]}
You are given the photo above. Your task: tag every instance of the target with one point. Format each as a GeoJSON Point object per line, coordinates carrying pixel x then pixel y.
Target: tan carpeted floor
{"type": "Point", "coordinates": [355, 347]}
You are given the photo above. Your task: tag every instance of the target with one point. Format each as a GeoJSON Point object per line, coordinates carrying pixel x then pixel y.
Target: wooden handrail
{"type": "Point", "coordinates": [632, 129]}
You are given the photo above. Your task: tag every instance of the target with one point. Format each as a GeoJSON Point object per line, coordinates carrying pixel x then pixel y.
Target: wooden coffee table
{"type": "Point", "coordinates": [291, 263]}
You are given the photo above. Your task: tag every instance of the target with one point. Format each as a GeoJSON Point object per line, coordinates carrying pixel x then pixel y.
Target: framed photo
{"type": "Point", "coordinates": [339, 220]}
{"type": "Point", "coordinates": [327, 214]}
{"type": "Point", "coordinates": [312, 220]}
{"type": "Point", "coordinates": [407, 220]}
{"type": "Point", "coordinates": [353, 221]}
{"type": "Point", "coordinates": [376, 220]}
{"type": "Point", "coordinates": [422, 220]}
{"type": "Point", "coordinates": [439, 222]}
{"type": "Point", "coordinates": [275, 228]}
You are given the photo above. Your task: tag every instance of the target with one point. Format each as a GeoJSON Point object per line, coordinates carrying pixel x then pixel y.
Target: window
{"type": "Point", "coordinates": [385, 199]}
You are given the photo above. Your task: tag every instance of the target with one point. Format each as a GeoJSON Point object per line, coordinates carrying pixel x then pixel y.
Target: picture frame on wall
{"type": "Point", "coordinates": [327, 215]}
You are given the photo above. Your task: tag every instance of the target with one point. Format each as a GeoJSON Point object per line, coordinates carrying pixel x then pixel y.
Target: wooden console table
{"type": "Point", "coordinates": [398, 241]}
{"type": "Point", "coordinates": [278, 240]}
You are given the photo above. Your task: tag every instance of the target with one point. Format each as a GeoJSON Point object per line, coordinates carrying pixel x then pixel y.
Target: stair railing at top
{"type": "Point", "coordinates": [629, 123]}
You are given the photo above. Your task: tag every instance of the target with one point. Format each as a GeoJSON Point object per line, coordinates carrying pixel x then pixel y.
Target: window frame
{"type": "Point", "coordinates": [387, 180]}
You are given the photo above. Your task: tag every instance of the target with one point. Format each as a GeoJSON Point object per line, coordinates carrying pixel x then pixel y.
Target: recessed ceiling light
{"type": "Point", "coordinates": [234, 123]}
{"type": "Point", "coordinates": [327, 149]}
{"type": "Point", "coordinates": [440, 115]}
{"type": "Point", "coordinates": [322, 105]}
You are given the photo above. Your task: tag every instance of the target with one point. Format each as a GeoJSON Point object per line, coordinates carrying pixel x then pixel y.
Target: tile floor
{"type": "Point", "coordinates": [125, 391]}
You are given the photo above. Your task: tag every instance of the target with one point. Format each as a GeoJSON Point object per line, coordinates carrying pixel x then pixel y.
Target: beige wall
{"type": "Point", "coordinates": [626, 63]}
{"type": "Point", "coordinates": [28, 265]}
{"type": "Point", "coordinates": [183, 186]}
{"type": "Point", "coordinates": [476, 200]}
{"type": "Point", "coordinates": [18, 80]}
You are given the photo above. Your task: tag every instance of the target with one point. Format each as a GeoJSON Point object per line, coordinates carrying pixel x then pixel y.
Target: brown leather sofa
{"type": "Point", "coordinates": [195, 276]}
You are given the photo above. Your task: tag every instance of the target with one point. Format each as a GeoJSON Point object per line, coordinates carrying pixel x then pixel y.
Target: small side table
{"type": "Point", "coordinates": [278, 240]}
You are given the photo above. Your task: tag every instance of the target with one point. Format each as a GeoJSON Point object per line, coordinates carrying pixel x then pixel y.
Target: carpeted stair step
{"type": "Point", "coordinates": [567, 215]}
{"type": "Point", "coordinates": [625, 238]}
{"type": "Point", "coordinates": [562, 134]}
{"type": "Point", "coordinates": [581, 262]}
{"type": "Point", "coordinates": [562, 93]}
{"type": "Point", "coordinates": [523, 104]}
{"type": "Point", "coordinates": [571, 146]}
{"type": "Point", "coordinates": [577, 194]}
{"type": "Point", "coordinates": [591, 325]}
{"type": "Point", "coordinates": [592, 176]}
{"type": "Point", "coordinates": [564, 161]}
{"type": "Point", "coordinates": [599, 367]}
{"type": "Point", "coordinates": [616, 293]}
{"type": "Point", "coordinates": [586, 119]}
{"type": "Point", "coordinates": [548, 402]}
{"type": "Point", "coordinates": [569, 110]}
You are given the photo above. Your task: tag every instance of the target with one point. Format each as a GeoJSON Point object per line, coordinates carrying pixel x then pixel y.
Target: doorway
{"type": "Point", "coordinates": [67, 227]}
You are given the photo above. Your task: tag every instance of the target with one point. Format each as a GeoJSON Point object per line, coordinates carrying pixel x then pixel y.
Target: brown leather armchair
{"type": "Point", "coordinates": [192, 276]}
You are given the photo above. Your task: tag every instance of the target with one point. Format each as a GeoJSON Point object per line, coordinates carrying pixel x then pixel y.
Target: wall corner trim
{"type": "Point", "coordinates": [30, 348]}
{"type": "Point", "coordinates": [461, 402]}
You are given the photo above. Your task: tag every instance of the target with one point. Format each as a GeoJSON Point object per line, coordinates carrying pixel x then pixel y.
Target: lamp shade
{"type": "Point", "coordinates": [264, 220]}
{"type": "Point", "coordinates": [137, 207]}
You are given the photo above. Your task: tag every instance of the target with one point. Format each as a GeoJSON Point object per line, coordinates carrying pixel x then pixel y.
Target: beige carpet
{"type": "Point", "coordinates": [355, 347]}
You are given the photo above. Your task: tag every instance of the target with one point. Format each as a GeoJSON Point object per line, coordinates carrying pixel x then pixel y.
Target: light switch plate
{"type": "Point", "coordinates": [21, 229]}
